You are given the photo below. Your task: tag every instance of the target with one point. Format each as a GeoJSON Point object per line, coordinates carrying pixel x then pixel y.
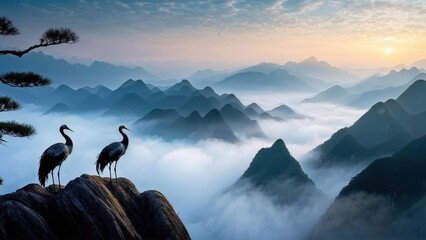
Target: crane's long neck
{"type": "Point", "coordinates": [68, 141]}
{"type": "Point", "coordinates": [125, 140]}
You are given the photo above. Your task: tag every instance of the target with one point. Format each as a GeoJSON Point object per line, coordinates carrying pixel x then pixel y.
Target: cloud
{"type": "Point", "coordinates": [288, 6]}
{"type": "Point", "coordinates": [192, 176]}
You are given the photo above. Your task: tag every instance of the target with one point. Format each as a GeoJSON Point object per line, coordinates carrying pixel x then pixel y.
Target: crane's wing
{"type": "Point", "coordinates": [110, 153]}
{"type": "Point", "coordinates": [56, 151]}
{"type": "Point", "coordinates": [113, 151]}
{"type": "Point", "coordinates": [50, 158]}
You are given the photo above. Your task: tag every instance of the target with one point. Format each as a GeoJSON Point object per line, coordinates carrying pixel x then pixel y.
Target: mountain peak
{"type": "Point", "coordinates": [132, 83]}
{"type": "Point", "coordinates": [413, 99]}
{"type": "Point", "coordinates": [195, 115]}
{"type": "Point", "coordinates": [213, 114]}
{"type": "Point", "coordinates": [184, 87]}
{"type": "Point", "coordinates": [185, 82]}
{"type": "Point", "coordinates": [279, 145]}
{"type": "Point", "coordinates": [276, 172]}
{"type": "Point", "coordinates": [311, 59]}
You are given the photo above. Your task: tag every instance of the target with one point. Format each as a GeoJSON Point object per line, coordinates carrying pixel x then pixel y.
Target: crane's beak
{"type": "Point", "coordinates": [128, 129]}
{"type": "Point", "coordinates": [70, 130]}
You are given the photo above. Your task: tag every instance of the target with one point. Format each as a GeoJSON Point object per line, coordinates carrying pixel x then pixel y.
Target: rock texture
{"type": "Point", "coordinates": [89, 207]}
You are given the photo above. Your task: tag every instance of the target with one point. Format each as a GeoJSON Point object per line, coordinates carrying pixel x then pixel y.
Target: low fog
{"type": "Point", "coordinates": [192, 176]}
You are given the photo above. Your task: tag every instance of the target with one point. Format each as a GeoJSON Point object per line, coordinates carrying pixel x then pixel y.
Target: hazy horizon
{"type": "Point", "coordinates": [229, 34]}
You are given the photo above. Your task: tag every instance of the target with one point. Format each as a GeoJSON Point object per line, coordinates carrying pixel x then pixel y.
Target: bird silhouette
{"type": "Point", "coordinates": [112, 153]}
{"type": "Point", "coordinates": [54, 156]}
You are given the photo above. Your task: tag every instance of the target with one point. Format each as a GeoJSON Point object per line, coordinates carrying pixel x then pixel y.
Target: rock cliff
{"type": "Point", "coordinates": [89, 207]}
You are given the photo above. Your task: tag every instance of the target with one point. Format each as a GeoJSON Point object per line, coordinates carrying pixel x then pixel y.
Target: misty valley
{"type": "Point", "coordinates": [242, 163]}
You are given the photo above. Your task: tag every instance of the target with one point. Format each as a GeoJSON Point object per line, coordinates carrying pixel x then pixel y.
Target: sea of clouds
{"type": "Point", "coordinates": [193, 176]}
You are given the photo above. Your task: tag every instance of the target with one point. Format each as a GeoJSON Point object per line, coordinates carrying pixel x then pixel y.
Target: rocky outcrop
{"type": "Point", "coordinates": [89, 207]}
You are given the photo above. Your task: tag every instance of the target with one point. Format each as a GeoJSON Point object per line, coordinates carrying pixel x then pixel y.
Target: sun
{"type": "Point", "coordinates": [388, 51]}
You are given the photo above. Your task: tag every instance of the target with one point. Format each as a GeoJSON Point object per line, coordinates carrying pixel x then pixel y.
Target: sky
{"type": "Point", "coordinates": [228, 34]}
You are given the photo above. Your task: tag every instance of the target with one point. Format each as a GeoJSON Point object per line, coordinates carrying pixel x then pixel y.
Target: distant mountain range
{"type": "Point", "coordinates": [277, 80]}
{"type": "Point", "coordinates": [179, 112]}
{"type": "Point", "coordinates": [276, 173]}
{"type": "Point", "coordinates": [382, 130]}
{"type": "Point", "coordinates": [392, 79]}
{"type": "Point", "coordinates": [74, 75]}
{"type": "Point", "coordinates": [316, 74]}
{"type": "Point", "coordinates": [385, 201]}
{"type": "Point", "coordinates": [366, 99]}
{"type": "Point", "coordinates": [311, 73]}
{"type": "Point", "coordinates": [313, 68]}
{"type": "Point", "coordinates": [226, 124]}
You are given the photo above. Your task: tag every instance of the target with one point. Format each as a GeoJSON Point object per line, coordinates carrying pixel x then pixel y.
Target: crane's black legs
{"type": "Point", "coordinates": [110, 178]}
{"type": "Point", "coordinates": [53, 179]}
{"type": "Point", "coordinates": [59, 179]}
{"type": "Point", "coordinates": [115, 171]}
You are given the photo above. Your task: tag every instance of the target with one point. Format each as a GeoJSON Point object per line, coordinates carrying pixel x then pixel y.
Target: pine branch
{"type": "Point", "coordinates": [52, 36]}
{"type": "Point", "coordinates": [7, 28]}
{"type": "Point", "coordinates": [24, 79]}
{"type": "Point", "coordinates": [15, 129]}
{"type": "Point", "coordinates": [8, 104]}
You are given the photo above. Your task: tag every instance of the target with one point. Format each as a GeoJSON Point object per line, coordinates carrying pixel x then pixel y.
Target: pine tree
{"type": "Point", "coordinates": [50, 37]}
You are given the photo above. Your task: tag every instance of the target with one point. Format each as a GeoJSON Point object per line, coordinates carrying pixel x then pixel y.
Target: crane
{"type": "Point", "coordinates": [54, 156]}
{"type": "Point", "coordinates": [112, 153]}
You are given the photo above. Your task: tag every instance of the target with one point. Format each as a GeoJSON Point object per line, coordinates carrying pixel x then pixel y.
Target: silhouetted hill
{"type": "Point", "coordinates": [74, 75]}
{"type": "Point", "coordinates": [275, 172]}
{"type": "Point", "coordinates": [414, 98]}
{"type": "Point", "coordinates": [202, 74]}
{"type": "Point", "coordinates": [99, 90]}
{"type": "Point", "coordinates": [91, 102]}
{"type": "Point", "coordinates": [382, 130]}
{"type": "Point", "coordinates": [166, 115]}
{"type": "Point", "coordinates": [184, 88]}
{"type": "Point", "coordinates": [256, 108]}
{"type": "Point", "coordinates": [134, 99]}
{"type": "Point", "coordinates": [170, 125]}
{"type": "Point", "coordinates": [263, 67]}
{"type": "Point", "coordinates": [196, 127]}
{"type": "Point", "coordinates": [200, 103]}
{"type": "Point", "coordinates": [130, 105]}
{"type": "Point", "coordinates": [369, 98]}
{"type": "Point", "coordinates": [392, 79]}
{"type": "Point", "coordinates": [156, 122]}
{"type": "Point", "coordinates": [284, 112]}
{"type": "Point", "coordinates": [267, 68]}
{"type": "Point", "coordinates": [279, 80]}
{"type": "Point", "coordinates": [335, 94]}
{"type": "Point", "coordinates": [64, 94]}
{"type": "Point", "coordinates": [137, 87]}
{"type": "Point", "coordinates": [376, 126]}
{"type": "Point", "coordinates": [58, 108]}
{"type": "Point", "coordinates": [385, 201]}
{"type": "Point", "coordinates": [271, 163]}
{"type": "Point", "coordinates": [240, 123]}
{"type": "Point", "coordinates": [231, 99]}
{"type": "Point", "coordinates": [89, 207]}
{"type": "Point", "coordinates": [209, 92]}
{"type": "Point", "coordinates": [313, 68]}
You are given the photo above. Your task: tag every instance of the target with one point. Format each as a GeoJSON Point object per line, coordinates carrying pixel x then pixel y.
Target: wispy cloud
{"type": "Point", "coordinates": [226, 23]}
